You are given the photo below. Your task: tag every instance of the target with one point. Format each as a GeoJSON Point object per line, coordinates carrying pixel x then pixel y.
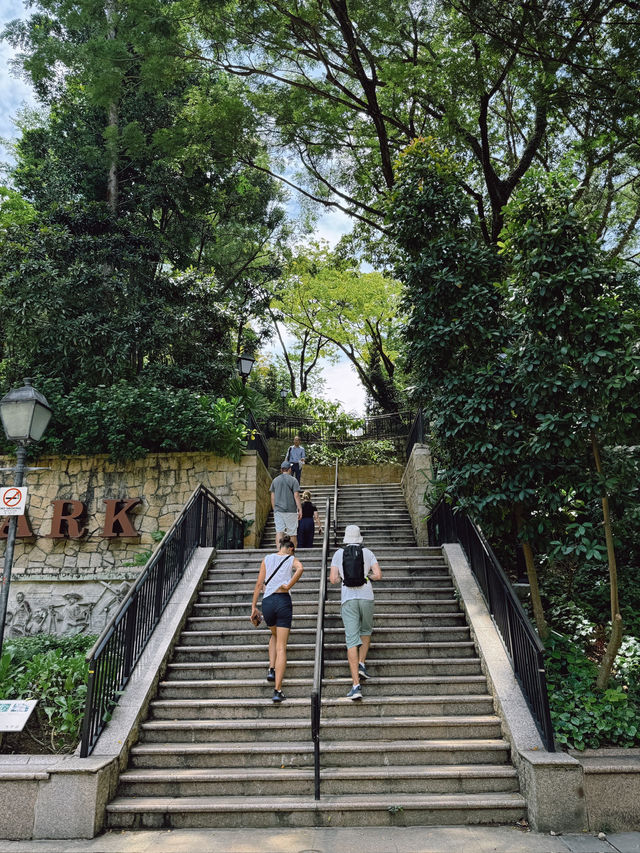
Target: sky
{"type": "Point", "coordinates": [342, 384]}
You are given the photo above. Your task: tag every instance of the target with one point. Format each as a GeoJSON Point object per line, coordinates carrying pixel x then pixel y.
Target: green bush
{"type": "Point", "coordinates": [583, 717]}
{"type": "Point", "coordinates": [130, 419]}
{"type": "Point", "coordinates": [365, 452]}
{"type": "Point", "coordinates": [53, 670]}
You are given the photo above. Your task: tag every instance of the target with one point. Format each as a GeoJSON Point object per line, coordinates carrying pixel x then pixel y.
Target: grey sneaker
{"type": "Point", "coordinates": [355, 693]}
{"type": "Point", "coordinates": [271, 675]}
{"type": "Point", "coordinates": [362, 671]}
{"type": "Point", "coordinates": [278, 696]}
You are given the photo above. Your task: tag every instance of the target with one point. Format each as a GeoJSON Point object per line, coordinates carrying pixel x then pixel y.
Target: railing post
{"type": "Point", "coordinates": [130, 637]}
{"type": "Point", "coordinates": [204, 511]}
{"type": "Point", "coordinates": [88, 717]}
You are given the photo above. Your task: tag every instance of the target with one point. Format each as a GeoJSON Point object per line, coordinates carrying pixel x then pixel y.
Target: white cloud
{"type": "Point", "coordinates": [14, 92]}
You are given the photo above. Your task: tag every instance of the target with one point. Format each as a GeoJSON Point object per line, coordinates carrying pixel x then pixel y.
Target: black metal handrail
{"type": "Point", "coordinates": [392, 425]}
{"type": "Point", "coordinates": [335, 505]}
{"type": "Point", "coordinates": [205, 521]}
{"type": "Point", "coordinates": [523, 646]}
{"type": "Point", "coordinates": [256, 440]}
{"type": "Point", "coordinates": [318, 664]}
{"type": "Point", "coordinates": [416, 434]}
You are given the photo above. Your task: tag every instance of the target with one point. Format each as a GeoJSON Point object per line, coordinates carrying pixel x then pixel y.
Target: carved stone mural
{"type": "Point", "coordinates": [42, 609]}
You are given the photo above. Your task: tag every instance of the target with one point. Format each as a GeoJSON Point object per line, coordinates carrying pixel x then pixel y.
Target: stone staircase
{"type": "Point", "coordinates": [424, 746]}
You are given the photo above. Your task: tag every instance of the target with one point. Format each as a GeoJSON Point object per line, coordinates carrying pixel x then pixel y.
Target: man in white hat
{"type": "Point", "coordinates": [356, 567]}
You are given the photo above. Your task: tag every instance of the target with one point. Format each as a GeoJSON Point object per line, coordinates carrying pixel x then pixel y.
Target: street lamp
{"type": "Point", "coordinates": [283, 397]}
{"type": "Point", "coordinates": [25, 415]}
{"type": "Point", "coordinates": [245, 363]}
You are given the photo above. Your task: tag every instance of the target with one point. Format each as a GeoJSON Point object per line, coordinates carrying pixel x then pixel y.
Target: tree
{"type": "Point", "coordinates": [506, 85]}
{"type": "Point", "coordinates": [327, 300]}
{"type": "Point", "coordinates": [576, 314]}
{"type": "Point", "coordinates": [155, 242]}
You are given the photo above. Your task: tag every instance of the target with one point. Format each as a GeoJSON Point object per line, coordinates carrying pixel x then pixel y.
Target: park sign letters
{"type": "Point", "coordinates": [69, 517]}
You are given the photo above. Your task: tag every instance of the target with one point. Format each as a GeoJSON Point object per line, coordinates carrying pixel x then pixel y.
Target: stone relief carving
{"type": "Point", "coordinates": [74, 615]}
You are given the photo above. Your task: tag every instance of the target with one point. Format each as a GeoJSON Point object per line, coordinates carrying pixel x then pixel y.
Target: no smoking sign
{"type": "Point", "coordinates": [13, 500]}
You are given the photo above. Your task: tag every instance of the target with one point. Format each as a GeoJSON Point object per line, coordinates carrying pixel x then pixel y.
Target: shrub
{"type": "Point", "coordinates": [582, 716]}
{"type": "Point", "coordinates": [129, 419]}
{"type": "Point", "coordinates": [53, 670]}
{"type": "Point", "coordinates": [365, 452]}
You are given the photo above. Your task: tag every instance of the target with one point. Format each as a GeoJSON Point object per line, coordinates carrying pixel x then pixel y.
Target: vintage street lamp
{"type": "Point", "coordinates": [25, 415]}
{"type": "Point", "coordinates": [245, 363]}
{"type": "Point", "coordinates": [283, 397]}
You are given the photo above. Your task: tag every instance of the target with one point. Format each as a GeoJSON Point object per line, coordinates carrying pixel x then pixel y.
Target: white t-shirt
{"type": "Point", "coordinates": [365, 591]}
{"type": "Point", "coordinates": [282, 576]}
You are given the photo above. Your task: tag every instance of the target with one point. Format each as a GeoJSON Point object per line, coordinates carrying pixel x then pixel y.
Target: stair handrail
{"type": "Point", "coordinates": [205, 521]}
{"type": "Point", "coordinates": [335, 504]}
{"type": "Point", "coordinates": [318, 664]}
{"type": "Point", "coordinates": [524, 648]}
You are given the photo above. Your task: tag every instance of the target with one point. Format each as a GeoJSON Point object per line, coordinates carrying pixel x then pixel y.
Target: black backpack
{"type": "Point", "coordinates": [353, 566]}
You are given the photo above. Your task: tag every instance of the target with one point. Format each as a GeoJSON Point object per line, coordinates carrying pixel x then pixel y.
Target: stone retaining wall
{"type": "Point", "coordinates": [69, 585]}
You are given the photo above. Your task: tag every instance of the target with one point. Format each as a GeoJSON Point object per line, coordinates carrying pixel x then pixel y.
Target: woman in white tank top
{"type": "Point", "coordinates": [278, 573]}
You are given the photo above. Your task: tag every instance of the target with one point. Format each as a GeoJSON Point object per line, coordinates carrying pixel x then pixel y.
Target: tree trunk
{"type": "Point", "coordinates": [112, 146]}
{"type": "Point", "coordinates": [532, 576]}
{"type": "Point", "coordinates": [613, 646]}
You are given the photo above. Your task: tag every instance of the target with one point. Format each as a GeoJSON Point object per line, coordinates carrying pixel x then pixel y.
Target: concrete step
{"type": "Point", "coordinates": [333, 651]}
{"type": "Point", "coordinates": [211, 688]}
{"type": "Point", "coordinates": [354, 753]}
{"type": "Point", "coordinates": [379, 706]}
{"type": "Point", "coordinates": [210, 607]}
{"type": "Point", "coordinates": [336, 729]}
{"type": "Point", "coordinates": [297, 668]}
{"type": "Point", "coordinates": [333, 620]}
{"type": "Point", "coordinates": [248, 635]}
{"type": "Point", "coordinates": [355, 810]}
{"type": "Point", "coordinates": [269, 781]}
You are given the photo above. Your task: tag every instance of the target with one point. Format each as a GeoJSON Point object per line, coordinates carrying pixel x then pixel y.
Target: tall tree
{"type": "Point", "coordinates": [347, 86]}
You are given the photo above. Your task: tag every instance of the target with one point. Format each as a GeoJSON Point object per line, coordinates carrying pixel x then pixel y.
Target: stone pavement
{"type": "Point", "coordinates": [439, 839]}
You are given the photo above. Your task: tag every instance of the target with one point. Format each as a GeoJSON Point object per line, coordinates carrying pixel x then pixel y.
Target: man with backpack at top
{"type": "Point", "coordinates": [297, 457]}
{"type": "Point", "coordinates": [356, 567]}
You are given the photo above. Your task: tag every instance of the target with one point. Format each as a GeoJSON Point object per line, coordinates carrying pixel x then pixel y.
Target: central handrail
{"type": "Point", "coordinates": [522, 644]}
{"type": "Point", "coordinates": [335, 505]}
{"type": "Point", "coordinates": [318, 664]}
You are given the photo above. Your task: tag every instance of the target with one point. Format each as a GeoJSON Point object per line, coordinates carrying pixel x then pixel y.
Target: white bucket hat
{"type": "Point", "coordinates": [352, 535]}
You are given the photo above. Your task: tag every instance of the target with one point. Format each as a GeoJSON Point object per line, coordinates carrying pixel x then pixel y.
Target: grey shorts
{"type": "Point", "coordinates": [357, 618]}
{"type": "Point", "coordinates": [286, 522]}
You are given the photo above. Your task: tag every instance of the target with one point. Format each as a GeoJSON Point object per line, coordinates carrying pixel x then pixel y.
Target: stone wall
{"type": "Point", "coordinates": [348, 475]}
{"type": "Point", "coordinates": [68, 585]}
{"type": "Point", "coordinates": [415, 482]}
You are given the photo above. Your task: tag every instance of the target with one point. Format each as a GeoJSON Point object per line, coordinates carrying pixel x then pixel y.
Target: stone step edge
{"type": "Point", "coordinates": [383, 680]}
{"type": "Point", "coordinates": [371, 662]}
{"type": "Point", "coordinates": [463, 720]}
{"type": "Point", "coordinates": [465, 698]}
{"type": "Point", "coordinates": [397, 771]}
{"type": "Point", "coordinates": [374, 746]}
{"type": "Point", "coordinates": [332, 803]}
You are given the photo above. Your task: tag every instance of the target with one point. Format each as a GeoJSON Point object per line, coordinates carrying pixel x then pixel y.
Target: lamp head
{"type": "Point", "coordinates": [25, 414]}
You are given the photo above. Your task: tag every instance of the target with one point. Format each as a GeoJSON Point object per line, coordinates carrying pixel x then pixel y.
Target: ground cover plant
{"type": "Point", "coordinates": [53, 670]}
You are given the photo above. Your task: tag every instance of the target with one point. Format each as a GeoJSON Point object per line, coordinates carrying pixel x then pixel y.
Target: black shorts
{"type": "Point", "coordinates": [277, 610]}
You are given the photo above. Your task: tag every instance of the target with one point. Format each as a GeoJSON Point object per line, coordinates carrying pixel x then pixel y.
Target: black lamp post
{"type": "Point", "coordinates": [245, 363]}
{"type": "Point", "coordinates": [283, 397]}
{"type": "Point", "coordinates": [25, 416]}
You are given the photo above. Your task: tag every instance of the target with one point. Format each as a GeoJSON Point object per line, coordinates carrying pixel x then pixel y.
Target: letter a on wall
{"type": "Point", "coordinates": [117, 522]}
{"type": "Point", "coordinates": [23, 531]}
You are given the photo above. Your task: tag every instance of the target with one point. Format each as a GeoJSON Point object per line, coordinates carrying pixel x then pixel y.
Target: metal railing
{"type": "Point", "coordinates": [318, 664]}
{"type": "Point", "coordinates": [394, 425]}
{"type": "Point", "coordinates": [522, 644]}
{"type": "Point", "coordinates": [256, 440]}
{"type": "Point", "coordinates": [416, 434]}
{"type": "Point", "coordinates": [335, 505]}
{"type": "Point", "coordinates": [204, 522]}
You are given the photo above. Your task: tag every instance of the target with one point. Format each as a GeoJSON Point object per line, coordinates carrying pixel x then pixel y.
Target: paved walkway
{"type": "Point", "coordinates": [441, 839]}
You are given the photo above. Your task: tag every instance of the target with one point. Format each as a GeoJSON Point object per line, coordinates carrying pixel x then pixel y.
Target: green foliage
{"type": "Point", "coordinates": [53, 670]}
{"type": "Point", "coordinates": [584, 718]}
{"type": "Point", "coordinates": [128, 420]}
{"type": "Point", "coordinates": [365, 452]}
